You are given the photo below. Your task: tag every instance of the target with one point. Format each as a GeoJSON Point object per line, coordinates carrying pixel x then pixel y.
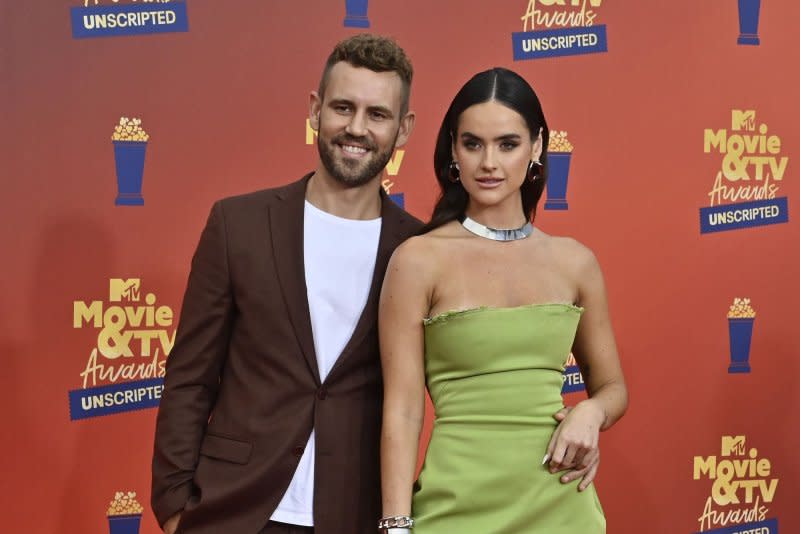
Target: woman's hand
{"type": "Point", "coordinates": [574, 444]}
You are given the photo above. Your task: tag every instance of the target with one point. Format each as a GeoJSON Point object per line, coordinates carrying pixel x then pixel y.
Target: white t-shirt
{"type": "Point", "coordinates": [339, 257]}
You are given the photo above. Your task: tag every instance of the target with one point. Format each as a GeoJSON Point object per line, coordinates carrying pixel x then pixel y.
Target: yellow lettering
{"type": "Point", "coordinates": [310, 133]}
{"type": "Point", "coordinates": [706, 467]}
{"type": "Point", "coordinates": [164, 316]}
{"type": "Point", "coordinates": [115, 317]}
{"type": "Point", "coordinates": [144, 336]}
{"type": "Point", "coordinates": [768, 492]}
{"type": "Point", "coordinates": [134, 315]}
{"type": "Point", "coordinates": [167, 341]}
{"type": "Point", "coordinates": [773, 144]}
{"type": "Point", "coordinates": [113, 343]}
{"type": "Point", "coordinates": [778, 169]}
{"type": "Point", "coordinates": [763, 468]}
{"type": "Point", "coordinates": [393, 166]}
{"type": "Point", "coordinates": [748, 486]}
{"type": "Point", "coordinates": [716, 140]}
{"type": "Point", "coordinates": [81, 312]}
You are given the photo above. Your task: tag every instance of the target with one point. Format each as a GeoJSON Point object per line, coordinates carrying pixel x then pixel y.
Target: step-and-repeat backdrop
{"type": "Point", "coordinates": [675, 134]}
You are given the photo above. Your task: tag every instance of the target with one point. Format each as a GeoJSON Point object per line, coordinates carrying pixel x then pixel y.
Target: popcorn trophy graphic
{"type": "Point", "coordinates": [748, 22]}
{"type": "Point", "coordinates": [740, 331]}
{"type": "Point", "coordinates": [356, 13]}
{"type": "Point", "coordinates": [130, 143]}
{"type": "Point", "coordinates": [559, 153]}
{"type": "Point", "coordinates": [124, 514]}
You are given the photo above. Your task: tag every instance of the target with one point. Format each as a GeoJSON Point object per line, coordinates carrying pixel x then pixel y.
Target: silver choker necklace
{"type": "Point", "coordinates": [496, 234]}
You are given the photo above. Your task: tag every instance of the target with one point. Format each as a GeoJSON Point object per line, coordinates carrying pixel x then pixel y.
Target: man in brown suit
{"type": "Point", "coordinates": [270, 416]}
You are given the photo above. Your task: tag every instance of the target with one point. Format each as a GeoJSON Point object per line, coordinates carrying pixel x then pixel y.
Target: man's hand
{"type": "Point", "coordinates": [171, 524]}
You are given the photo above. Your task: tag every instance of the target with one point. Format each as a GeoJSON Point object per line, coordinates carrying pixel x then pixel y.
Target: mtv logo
{"type": "Point", "coordinates": [733, 445]}
{"type": "Point", "coordinates": [127, 289]}
{"type": "Point", "coordinates": [743, 120]}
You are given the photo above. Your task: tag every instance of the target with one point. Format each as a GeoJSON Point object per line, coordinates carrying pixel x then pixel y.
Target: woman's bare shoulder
{"type": "Point", "coordinates": [572, 254]}
{"type": "Point", "coordinates": [425, 252]}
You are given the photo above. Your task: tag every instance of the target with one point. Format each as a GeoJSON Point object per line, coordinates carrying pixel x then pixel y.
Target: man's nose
{"type": "Point", "coordinates": [357, 126]}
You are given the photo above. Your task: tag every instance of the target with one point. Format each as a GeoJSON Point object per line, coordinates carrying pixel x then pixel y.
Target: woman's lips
{"type": "Point", "coordinates": [489, 182]}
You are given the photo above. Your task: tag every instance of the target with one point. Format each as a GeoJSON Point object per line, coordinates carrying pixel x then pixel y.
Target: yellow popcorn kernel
{"type": "Point", "coordinates": [559, 142]}
{"type": "Point", "coordinates": [129, 130]}
{"type": "Point", "coordinates": [124, 504]}
{"type": "Point", "coordinates": [741, 309]}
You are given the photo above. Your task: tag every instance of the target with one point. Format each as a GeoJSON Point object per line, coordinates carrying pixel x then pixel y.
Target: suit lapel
{"type": "Point", "coordinates": [286, 227]}
{"type": "Point", "coordinates": [390, 237]}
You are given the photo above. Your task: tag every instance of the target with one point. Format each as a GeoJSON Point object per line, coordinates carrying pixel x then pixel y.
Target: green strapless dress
{"type": "Point", "coordinates": [495, 378]}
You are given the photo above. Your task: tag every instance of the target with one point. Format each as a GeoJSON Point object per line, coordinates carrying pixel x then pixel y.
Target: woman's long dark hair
{"type": "Point", "coordinates": [505, 87]}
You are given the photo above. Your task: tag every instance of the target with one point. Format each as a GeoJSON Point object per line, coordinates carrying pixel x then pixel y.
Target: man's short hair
{"type": "Point", "coordinates": [373, 52]}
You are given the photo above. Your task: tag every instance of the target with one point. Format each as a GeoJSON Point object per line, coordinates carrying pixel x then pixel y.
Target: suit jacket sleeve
{"type": "Point", "coordinates": [193, 370]}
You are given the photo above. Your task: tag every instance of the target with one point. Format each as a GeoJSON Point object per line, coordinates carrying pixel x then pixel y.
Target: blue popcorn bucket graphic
{"type": "Point", "coordinates": [748, 22]}
{"type": "Point", "coordinates": [356, 16]}
{"type": "Point", "coordinates": [557, 173]}
{"type": "Point", "coordinates": [124, 524]}
{"type": "Point", "coordinates": [129, 159]}
{"type": "Point", "coordinates": [740, 332]}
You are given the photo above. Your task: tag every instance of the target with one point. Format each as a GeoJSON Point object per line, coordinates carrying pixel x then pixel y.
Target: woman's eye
{"type": "Point", "coordinates": [471, 145]}
{"type": "Point", "coordinates": [508, 146]}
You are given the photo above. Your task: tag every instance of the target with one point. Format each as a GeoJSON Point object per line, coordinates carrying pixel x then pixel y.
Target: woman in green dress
{"type": "Point", "coordinates": [483, 309]}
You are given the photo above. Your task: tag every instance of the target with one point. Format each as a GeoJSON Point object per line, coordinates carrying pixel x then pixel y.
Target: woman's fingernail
{"type": "Point", "coordinates": [546, 458]}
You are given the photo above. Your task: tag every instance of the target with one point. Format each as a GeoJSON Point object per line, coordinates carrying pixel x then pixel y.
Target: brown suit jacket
{"type": "Point", "coordinates": [242, 389]}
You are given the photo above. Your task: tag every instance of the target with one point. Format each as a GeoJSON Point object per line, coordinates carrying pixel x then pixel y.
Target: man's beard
{"type": "Point", "coordinates": [346, 171]}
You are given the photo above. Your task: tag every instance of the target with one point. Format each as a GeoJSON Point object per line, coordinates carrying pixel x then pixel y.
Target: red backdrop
{"type": "Point", "coordinates": [674, 100]}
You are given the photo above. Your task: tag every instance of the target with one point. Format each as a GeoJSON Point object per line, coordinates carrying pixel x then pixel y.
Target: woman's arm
{"type": "Point", "coordinates": [595, 349]}
{"type": "Point", "coordinates": [575, 442]}
{"type": "Point", "coordinates": [405, 300]}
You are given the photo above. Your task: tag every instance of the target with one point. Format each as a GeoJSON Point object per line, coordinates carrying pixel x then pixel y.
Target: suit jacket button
{"type": "Point", "coordinates": [322, 393]}
{"type": "Point", "coordinates": [298, 451]}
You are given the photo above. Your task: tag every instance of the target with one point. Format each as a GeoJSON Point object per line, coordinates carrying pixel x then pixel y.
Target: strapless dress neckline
{"type": "Point", "coordinates": [450, 314]}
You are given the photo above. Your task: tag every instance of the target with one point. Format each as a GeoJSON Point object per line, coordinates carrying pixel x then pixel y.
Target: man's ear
{"type": "Point", "coordinates": [406, 126]}
{"type": "Point", "coordinates": [314, 109]}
